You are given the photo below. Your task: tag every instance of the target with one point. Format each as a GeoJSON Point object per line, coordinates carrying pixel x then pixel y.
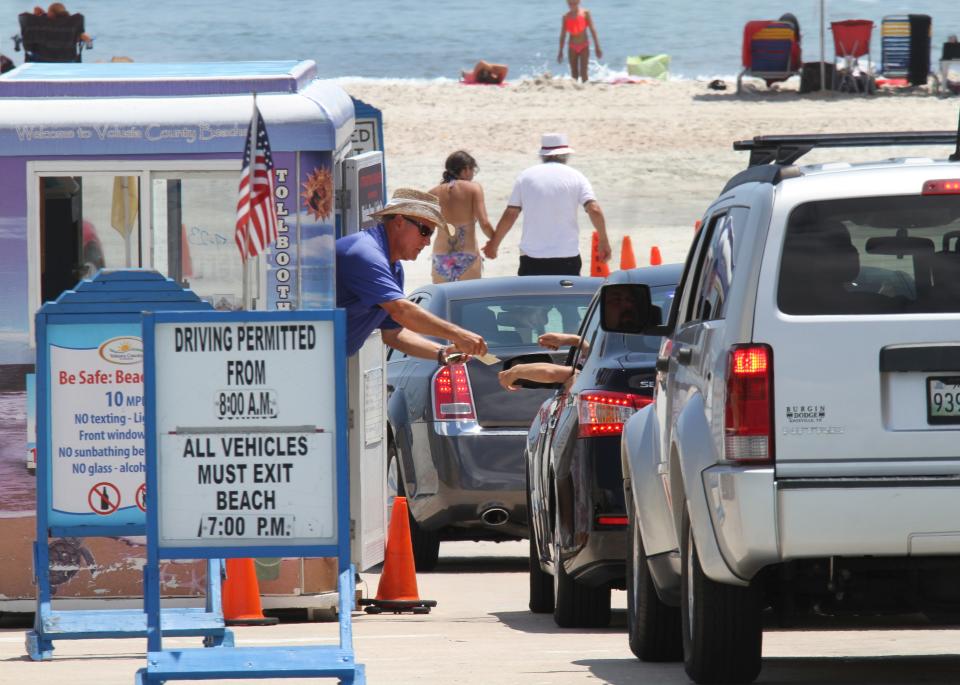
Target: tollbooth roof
{"type": "Point", "coordinates": [123, 108]}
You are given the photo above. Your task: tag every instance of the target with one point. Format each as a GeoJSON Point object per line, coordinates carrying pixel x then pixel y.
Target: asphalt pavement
{"type": "Point", "coordinates": [482, 632]}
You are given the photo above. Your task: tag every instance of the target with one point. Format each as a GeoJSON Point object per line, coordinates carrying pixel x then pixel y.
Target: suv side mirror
{"type": "Point", "coordinates": [627, 308]}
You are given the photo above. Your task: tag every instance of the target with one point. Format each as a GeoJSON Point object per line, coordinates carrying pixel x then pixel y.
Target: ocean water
{"type": "Point", "coordinates": [434, 39]}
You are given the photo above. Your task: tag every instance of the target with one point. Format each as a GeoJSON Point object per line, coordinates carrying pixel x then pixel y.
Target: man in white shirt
{"type": "Point", "coordinates": [549, 195]}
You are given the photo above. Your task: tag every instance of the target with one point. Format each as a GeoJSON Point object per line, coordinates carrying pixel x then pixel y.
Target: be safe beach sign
{"type": "Point", "coordinates": [96, 423]}
{"type": "Point", "coordinates": [245, 428]}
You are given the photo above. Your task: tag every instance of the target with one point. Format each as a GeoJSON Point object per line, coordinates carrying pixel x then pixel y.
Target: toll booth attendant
{"type": "Point", "coordinates": [370, 281]}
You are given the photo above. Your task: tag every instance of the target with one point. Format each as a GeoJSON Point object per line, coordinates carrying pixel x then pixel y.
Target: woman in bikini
{"type": "Point", "coordinates": [576, 22]}
{"type": "Point", "coordinates": [457, 257]}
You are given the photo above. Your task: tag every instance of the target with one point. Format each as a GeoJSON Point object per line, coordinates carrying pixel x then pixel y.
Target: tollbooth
{"type": "Point", "coordinates": [125, 165]}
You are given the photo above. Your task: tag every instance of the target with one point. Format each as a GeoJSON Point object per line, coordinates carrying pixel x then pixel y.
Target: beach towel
{"type": "Point", "coordinates": [649, 66]}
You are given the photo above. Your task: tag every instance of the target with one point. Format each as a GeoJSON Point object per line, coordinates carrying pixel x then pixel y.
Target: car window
{"type": "Point", "coordinates": [588, 337]}
{"type": "Point", "coordinates": [872, 255]}
{"type": "Point", "coordinates": [710, 299]}
{"type": "Point", "coordinates": [687, 291]}
{"type": "Point", "coordinates": [520, 320]}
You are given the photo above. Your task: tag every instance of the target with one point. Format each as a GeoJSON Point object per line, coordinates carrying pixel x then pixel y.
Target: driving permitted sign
{"type": "Point", "coordinates": [246, 432]}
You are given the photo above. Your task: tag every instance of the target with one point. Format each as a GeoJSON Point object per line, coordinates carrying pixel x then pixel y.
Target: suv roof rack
{"type": "Point", "coordinates": [787, 149]}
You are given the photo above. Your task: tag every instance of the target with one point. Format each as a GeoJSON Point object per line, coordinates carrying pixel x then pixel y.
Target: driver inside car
{"type": "Point", "coordinates": [620, 309]}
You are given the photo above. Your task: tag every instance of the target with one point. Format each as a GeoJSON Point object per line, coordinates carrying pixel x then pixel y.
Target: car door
{"type": "Point", "coordinates": [698, 356]}
{"type": "Point", "coordinates": [563, 427]}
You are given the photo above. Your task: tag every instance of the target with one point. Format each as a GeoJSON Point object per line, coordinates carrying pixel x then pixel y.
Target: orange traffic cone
{"type": "Point", "coordinates": [397, 591]}
{"type": "Point", "coordinates": [597, 268]}
{"type": "Point", "coordinates": [627, 260]}
{"type": "Point", "coordinates": [655, 259]}
{"type": "Point", "coordinates": [241, 596]}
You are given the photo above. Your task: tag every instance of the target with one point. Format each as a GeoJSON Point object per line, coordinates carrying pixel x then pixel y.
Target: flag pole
{"type": "Point", "coordinates": [251, 145]}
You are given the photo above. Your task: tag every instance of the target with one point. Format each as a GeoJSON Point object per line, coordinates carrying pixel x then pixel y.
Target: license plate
{"type": "Point", "coordinates": [943, 399]}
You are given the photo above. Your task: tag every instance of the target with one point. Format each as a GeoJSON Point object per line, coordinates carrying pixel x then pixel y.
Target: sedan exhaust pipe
{"type": "Point", "coordinates": [495, 516]}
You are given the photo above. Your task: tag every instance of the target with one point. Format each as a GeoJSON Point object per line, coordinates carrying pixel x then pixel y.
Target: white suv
{"type": "Point", "coordinates": [802, 454]}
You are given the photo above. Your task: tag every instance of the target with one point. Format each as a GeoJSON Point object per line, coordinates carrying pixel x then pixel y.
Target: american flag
{"type": "Point", "coordinates": [256, 211]}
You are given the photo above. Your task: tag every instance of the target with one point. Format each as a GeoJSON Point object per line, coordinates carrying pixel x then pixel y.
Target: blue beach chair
{"type": "Point", "coordinates": [770, 51]}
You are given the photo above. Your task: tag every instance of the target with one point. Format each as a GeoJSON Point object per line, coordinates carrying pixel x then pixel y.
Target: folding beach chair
{"type": "Point", "coordinates": [851, 41]}
{"type": "Point", "coordinates": [50, 40]}
{"type": "Point", "coordinates": [905, 49]}
{"type": "Point", "coordinates": [769, 51]}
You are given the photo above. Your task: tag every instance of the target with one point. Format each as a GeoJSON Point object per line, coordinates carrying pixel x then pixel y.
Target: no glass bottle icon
{"type": "Point", "coordinates": [104, 498]}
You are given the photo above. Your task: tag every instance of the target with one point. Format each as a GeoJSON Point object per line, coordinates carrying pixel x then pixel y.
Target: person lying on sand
{"type": "Point", "coordinates": [485, 72]}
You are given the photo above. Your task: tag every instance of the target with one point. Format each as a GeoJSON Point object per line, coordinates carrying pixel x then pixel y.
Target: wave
{"type": "Point", "coordinates": [600, 75]}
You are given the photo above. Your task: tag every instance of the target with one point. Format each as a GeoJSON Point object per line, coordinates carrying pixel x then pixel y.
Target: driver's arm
{"type": "Point", "coordinates": [540, 372]}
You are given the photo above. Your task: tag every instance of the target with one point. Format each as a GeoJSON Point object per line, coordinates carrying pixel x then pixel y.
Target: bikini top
{"type": "Point", "coordinates": [575, 25]}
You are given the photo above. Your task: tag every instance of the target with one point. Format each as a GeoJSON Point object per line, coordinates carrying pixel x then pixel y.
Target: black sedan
{"type": "Point", "coordinates": [577, 514]}
{"type": "Point", "coordinates": [455, 437]}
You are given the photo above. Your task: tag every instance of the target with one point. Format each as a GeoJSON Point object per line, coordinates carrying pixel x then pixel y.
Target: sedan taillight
{"type": "Point", "coordinates": [748, 424]}
{"type": "Point", "coordinates": [603, 412]}
{"type": "Point", "coordinates": [452, 396]}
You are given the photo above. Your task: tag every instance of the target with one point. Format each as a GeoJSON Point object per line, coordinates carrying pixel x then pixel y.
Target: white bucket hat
{"type": "Point", "coordinates": [554, 144]}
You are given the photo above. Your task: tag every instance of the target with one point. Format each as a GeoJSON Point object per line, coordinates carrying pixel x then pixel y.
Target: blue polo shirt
{"type": "Point", "coordinates": [365, 278]}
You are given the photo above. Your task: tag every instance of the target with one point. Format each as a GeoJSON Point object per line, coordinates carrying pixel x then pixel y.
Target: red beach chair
{"type": "Point", "coordinates": [770, 51]}
{"type": "Point", "coordinates": [851, 41]}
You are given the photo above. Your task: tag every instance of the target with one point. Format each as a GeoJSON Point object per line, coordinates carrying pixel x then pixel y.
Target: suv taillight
{"type": "Point", "coordinates": [603, 412]}
{"type": "Point", "coordinates": [749, 410]}
{"type": "Point", "coordinates": [452, 397]}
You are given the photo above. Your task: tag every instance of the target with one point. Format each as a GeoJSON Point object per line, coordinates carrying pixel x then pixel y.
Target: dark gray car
{"type": "Point", "coordinates": [456, 438]}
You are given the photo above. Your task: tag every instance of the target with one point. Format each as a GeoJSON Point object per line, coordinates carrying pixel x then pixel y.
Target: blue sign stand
{"type": "Point", "coordinates": [78, 326]}
{"type": "Point", "coordinates": [187, 354]}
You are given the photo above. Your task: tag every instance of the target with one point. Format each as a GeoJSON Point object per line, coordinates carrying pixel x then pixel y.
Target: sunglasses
{"type": "Point", "coordinates": [425, 231]}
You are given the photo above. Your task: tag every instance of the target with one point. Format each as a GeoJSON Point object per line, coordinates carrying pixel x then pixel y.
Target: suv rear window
{"type": "Point", "coordinates": [520, 320]}
{"type": "Point", "coordinates": [872, 255]}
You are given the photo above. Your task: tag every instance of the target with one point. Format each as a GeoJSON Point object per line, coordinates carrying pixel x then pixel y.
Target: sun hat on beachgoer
{"type": "Point", "coordinates": [416, 205]}
{"type": "Point", "coordinates": [554, 144]}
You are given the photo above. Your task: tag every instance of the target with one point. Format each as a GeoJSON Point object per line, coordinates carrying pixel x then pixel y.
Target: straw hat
{"type": "Point", "coordinates": [554, 144]}
{"type": "Point", "coordinates": [416, 205]}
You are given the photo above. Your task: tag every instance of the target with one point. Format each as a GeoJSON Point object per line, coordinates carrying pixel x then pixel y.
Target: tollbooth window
{"type": "Point", "coordinates": [87, 223]}
{"type": "Point", "coordinates": [178, 223]}
{"type": "Point", "coordinates": [194, 218]}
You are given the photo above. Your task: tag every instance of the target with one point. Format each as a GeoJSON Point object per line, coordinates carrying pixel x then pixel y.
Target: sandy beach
{"type": "Point", "coordinates": [657, 153]}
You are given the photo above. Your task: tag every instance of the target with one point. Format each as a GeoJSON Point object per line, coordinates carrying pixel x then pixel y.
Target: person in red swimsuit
{"type": "Point", "coordinates": [576, 22]}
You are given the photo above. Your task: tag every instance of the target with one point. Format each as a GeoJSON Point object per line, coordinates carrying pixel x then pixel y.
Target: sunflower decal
{"type": "Point", "coordinates": [318, 193]}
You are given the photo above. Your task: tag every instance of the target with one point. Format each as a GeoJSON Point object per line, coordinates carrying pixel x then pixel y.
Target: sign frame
{"type": "Point", "coordinates": [340, 548]}
{"type": "Point", "coordinates": [113, 298]}
{"type": "Point", "coordinates": [259, 662]}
